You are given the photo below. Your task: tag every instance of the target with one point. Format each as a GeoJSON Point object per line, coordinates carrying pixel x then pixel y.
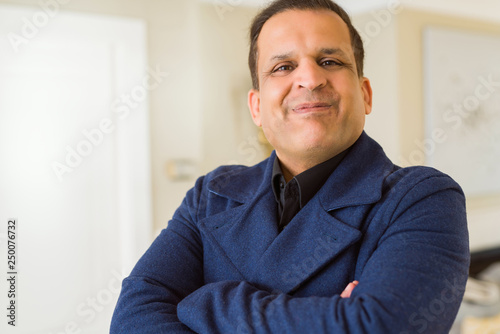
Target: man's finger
{"type": "Point", "coordinates": [348, 290]}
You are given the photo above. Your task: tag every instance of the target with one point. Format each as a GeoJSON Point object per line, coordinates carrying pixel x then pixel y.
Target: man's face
{"type": "Point", "coordinates": [311, 103]}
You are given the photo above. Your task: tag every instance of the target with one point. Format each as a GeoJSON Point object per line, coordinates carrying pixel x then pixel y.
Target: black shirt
{"type": "Point", "coordinates": [294, 195]}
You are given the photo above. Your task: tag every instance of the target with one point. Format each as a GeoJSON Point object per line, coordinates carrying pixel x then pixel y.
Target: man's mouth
{"type": "Point", "coordinates": [311, 107]}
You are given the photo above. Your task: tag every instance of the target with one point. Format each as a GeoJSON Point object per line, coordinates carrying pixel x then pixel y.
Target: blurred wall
{"type": "Point", "coordinates": [229, 135]}
{"type": "Point", "coordinates": [394, 63]}
{"type": "Point", "coordinates": [381, 58]}
{"type": "Point", "coordinates": [198, 114]}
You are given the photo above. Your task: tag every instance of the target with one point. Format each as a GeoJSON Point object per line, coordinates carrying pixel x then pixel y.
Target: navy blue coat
{"type": "Point", "coordinates": [221, 267]}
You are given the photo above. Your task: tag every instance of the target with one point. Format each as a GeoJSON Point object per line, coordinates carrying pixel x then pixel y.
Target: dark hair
{"type": "Point", "coordinates": [279, 6]}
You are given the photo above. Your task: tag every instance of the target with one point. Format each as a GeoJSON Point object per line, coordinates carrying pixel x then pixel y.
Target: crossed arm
{"type": "Point", "coordinates": [413, 282]}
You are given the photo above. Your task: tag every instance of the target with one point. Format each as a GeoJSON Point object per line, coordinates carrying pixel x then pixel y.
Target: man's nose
{"type": "Point", "coordinates": [310, 76]}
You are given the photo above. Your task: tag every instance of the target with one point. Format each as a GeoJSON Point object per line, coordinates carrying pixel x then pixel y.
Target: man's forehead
{"type": "Point", "coordinates": [323, 29]}
{"type": "Point", "coordinates": [296, 18]}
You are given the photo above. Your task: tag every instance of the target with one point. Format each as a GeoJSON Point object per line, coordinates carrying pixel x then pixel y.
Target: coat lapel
{"type": "Point", "coordinates": [311, 240]}
{"type": "Point", "coordinates": [242, 234]}
{"type": "Point", "coordinates": [315, 238]}
{"type": "Point", "coordinates": [247, 235]}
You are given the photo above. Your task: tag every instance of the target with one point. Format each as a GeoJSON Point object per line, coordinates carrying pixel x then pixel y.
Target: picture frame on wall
{"type": "Point", "coordinates": [462, 105]}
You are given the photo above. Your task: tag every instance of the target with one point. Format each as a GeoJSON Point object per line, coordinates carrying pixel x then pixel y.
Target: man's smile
{"type": "Point", "coordinates": [311, 107]}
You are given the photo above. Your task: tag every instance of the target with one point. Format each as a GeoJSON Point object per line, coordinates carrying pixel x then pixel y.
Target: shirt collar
{"type": "Point", "coordinates": [309, 181]}
{"type": "Point", "coordinates": [277, 179]}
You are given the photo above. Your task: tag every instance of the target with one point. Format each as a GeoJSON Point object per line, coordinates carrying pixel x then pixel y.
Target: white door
{"type": "Point", "coordinates": [74, 164]}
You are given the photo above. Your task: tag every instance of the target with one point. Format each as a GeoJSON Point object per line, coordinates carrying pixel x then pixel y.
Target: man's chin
{"type": "Point", "coordinates": [316, 149]}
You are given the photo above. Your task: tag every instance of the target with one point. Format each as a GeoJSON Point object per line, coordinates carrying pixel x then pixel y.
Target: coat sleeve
{"type": "Point", "coordinates": [170, 269]}
{"type": "Point", "coordinates": [412, 283]}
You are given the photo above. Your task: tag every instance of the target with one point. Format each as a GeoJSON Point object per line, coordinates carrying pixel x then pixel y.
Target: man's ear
{"type": "Point", "coordinates": [366, 88]}
{"type": "Point", "coordinates": [254, 105]}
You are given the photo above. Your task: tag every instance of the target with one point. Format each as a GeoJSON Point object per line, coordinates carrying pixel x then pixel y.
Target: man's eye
{"type": "Point", "coordinates": [283, 68]}
{"type": "Point", "coordinates": [330, 63]}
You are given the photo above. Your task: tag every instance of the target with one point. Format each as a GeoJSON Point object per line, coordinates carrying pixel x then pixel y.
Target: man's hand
{"type": "Point", "coordinates": [348, 290]}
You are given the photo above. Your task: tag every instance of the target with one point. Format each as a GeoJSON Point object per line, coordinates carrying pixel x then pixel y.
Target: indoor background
{"type": "Point", "coordinates": [110, 110]}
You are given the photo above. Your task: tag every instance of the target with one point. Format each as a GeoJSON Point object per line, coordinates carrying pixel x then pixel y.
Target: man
{"type": "Point", "coordinates": [324, 236]}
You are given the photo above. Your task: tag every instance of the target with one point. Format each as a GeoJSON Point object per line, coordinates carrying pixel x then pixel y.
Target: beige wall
{"type": "Point", "coordinates": [199, 112]}
{"type": "Point", "coordinates": [229, 135]}
{"type": "Point", "coordinates": [381, 68]}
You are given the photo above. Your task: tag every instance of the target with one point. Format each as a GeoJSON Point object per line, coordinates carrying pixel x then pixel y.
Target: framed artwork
{"type": "Point", "coordinates": [462, 107]}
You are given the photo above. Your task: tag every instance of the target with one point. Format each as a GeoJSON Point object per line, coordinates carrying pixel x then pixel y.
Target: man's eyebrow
{"type": "Point", "coordinates": [326, 51]}
{"type": "Point", "coordinates": [333, 51]}
{"type": "Point", "coordinates": [281, 57]}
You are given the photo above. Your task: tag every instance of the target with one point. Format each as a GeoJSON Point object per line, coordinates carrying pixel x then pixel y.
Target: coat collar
{"type": "Point", "coordinates": [356, 181]}
{"type": "Point", "coordinates": [246, 237]}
